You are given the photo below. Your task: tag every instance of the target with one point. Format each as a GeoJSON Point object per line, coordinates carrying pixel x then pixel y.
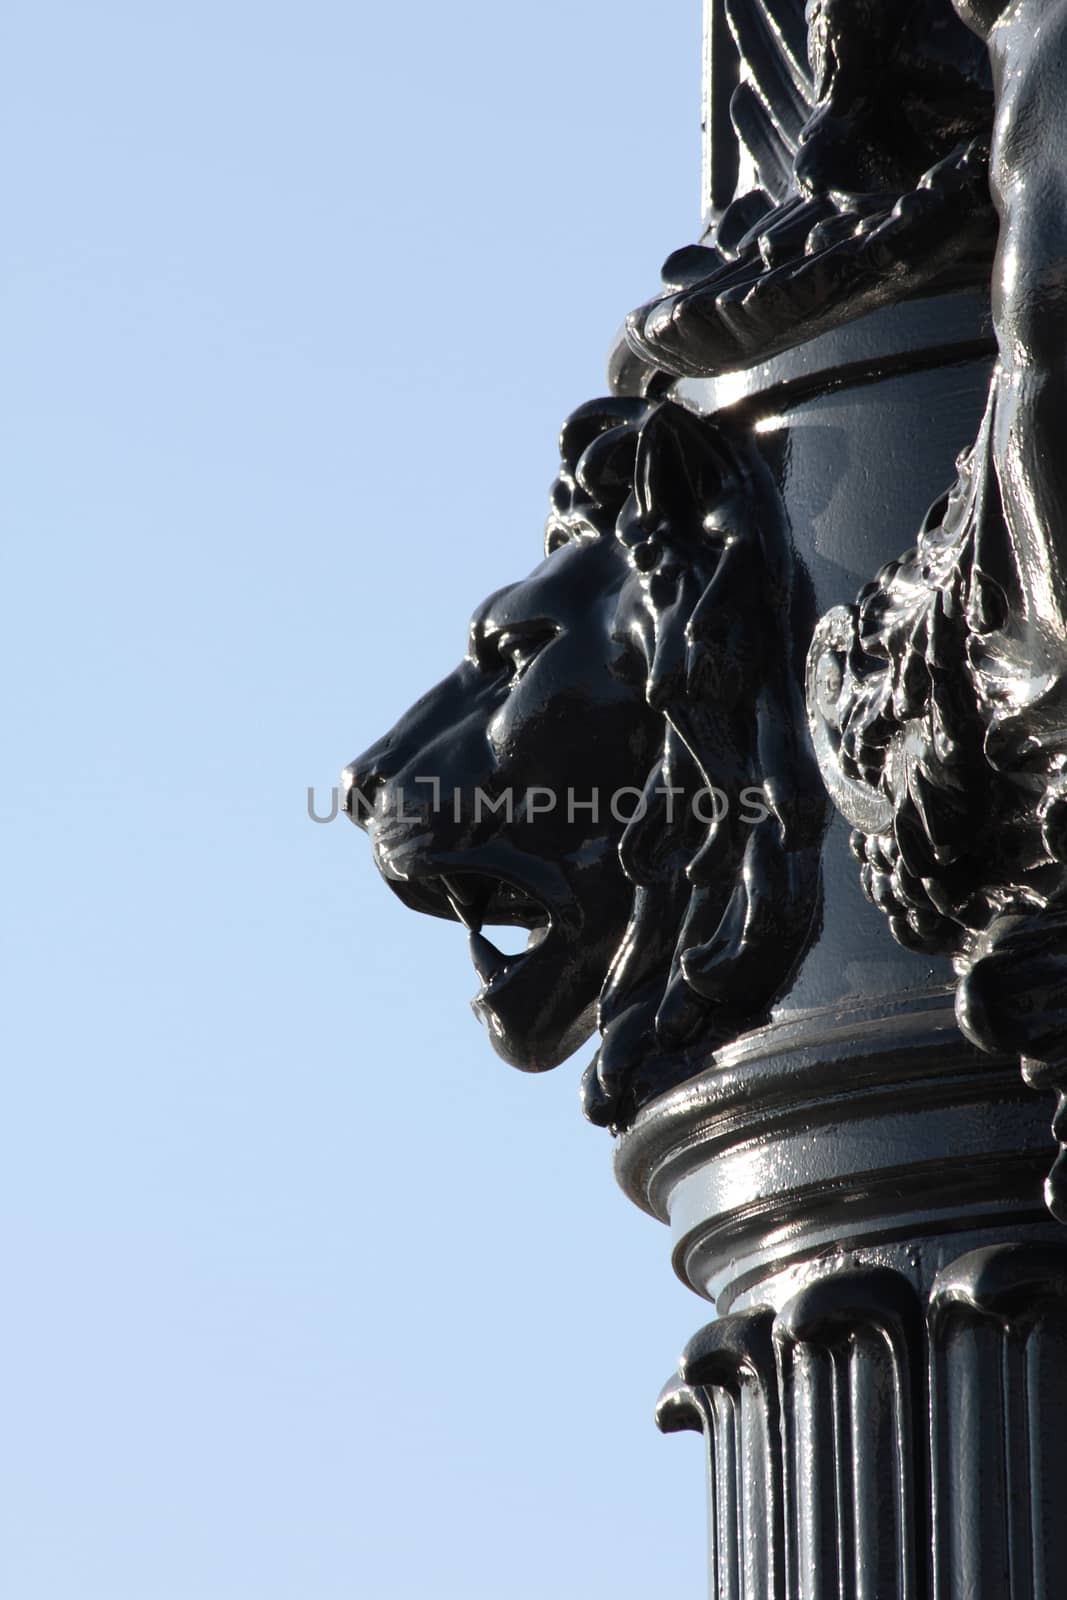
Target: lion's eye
{"type": "Point", "coordinates": [517, 650]}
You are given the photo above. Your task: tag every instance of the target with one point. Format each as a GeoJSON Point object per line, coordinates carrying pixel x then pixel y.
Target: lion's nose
{"type": "Point", "coordinates": [363, 778]}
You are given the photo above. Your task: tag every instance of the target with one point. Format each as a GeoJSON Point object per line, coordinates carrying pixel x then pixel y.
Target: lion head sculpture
{"type": "Point", "coordinates": [619, 765]}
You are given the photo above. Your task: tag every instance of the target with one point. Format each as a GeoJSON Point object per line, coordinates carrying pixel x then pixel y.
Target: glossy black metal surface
{"type": "Point", "coordinates": [937, 702]}
{"type": "Point", "coordinates": [648, 669]}
{"type": "Point", "coordinates": [555, 779]}
{"type": "Point", "coordinates": [847, 1451]}
{"type": "Point", "coordinates": [812, 1062]}
{"type": "Point", "coordinates": [864, 128]}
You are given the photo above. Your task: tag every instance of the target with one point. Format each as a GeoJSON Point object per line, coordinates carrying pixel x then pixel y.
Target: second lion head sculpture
{"type": "Point", "coordinates": [619, 765]}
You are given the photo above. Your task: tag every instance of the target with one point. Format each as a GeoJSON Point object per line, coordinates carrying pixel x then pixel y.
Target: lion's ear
{"type": "Point", "coordinates": [595, 417]}
{"type": "Point", "coordinates": [605, 468]}
{"type": "Point", "coordinates": [678, 470]}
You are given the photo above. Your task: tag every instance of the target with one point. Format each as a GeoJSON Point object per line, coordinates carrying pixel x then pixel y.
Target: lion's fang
{"type": "Point", "coordinates": [459, 891]}
{"type": "Point", "coordinates": [468, 908]}
{"type": "Point", "coordinates": [486, 957]}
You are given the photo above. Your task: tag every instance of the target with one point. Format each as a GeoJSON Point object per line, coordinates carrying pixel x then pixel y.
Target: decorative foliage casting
{"type": "Point", "coordinates": [938, 704]}
{"type": "Point", "coordinates": [865, 132]}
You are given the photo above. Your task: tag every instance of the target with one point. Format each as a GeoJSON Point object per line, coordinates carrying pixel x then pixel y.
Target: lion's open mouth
{"type": "Point", "coordinates": [478, 900]}
{"type": "Point", "coordinates": [538, 1003]}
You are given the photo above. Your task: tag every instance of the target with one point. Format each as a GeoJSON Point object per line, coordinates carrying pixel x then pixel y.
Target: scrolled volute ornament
{"type": "Point", "coordinates": [938, 703]}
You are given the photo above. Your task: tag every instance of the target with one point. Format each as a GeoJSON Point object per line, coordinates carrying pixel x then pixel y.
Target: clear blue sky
{"type": "Point", "coordinates": [307, 1296]}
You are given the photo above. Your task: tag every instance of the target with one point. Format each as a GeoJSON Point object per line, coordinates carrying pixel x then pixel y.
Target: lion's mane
{"type": "Point", "coordinates": [717, 607]}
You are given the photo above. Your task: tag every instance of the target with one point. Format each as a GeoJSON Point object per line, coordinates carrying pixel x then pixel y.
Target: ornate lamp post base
{"type": "Point", "coordinates": [883, 1397]}
{"type": "Point", "coordinates": [878, 1440]}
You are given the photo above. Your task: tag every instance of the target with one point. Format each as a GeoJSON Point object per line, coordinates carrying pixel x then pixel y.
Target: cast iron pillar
{"type": "Point", "coordinates": [855, 1185]}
